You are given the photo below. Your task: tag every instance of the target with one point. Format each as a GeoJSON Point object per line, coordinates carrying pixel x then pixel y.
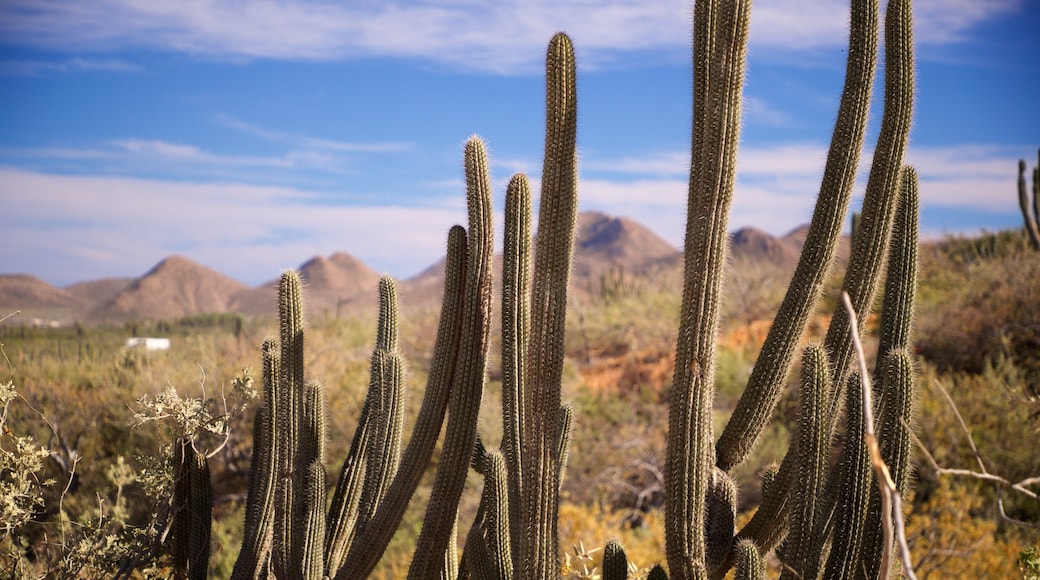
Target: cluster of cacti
{"type": "Point", "coordinates": [1030, 211]}
{"type": "Point", "coordinates": [824, 517]}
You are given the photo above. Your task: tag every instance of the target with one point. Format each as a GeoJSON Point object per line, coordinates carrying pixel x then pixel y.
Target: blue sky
{"type": "Point", "coordinates": [252, 135]}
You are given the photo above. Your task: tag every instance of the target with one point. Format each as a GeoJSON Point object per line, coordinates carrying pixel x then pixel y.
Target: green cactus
{"type": "Point", "coordinates": [368, 547]}
{"type": "Point", "coordinates": [468, 384]}
{"type": "Point", "coordinates": [255, 554]}
{"type": "Point", "coordinates": [288, 395]}
{"type": "Point", "coordinates": [749, 562]}
{"type": "Point", "coordinates": [720, 45]}
{"type": "Point", "coordinates": [192, 512]}
{"type": "Point", "coordinates": [541, 404]}
{"type": "Point", "coordinates": [514, 533]}
{"type": "Point", "coordinates": [615, 562]}
{"type": "Point", "coordinates": [821, 245]}
{"type": "Point", "coordinates": [800, 552]}
{"type": "Point", "coordinates": [1030, 212]}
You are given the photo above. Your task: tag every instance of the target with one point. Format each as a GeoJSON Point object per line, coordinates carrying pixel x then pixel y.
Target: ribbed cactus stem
{"type": "Point", "coordinates": [193, 512]}
{"type": "Point", "coordinates": [720, 506]}
{"type": "Point", "coordinates": [898, 388]}
{"type": "Point", "coordinates": [877, 215]}
{"type": "Point", "coordinates": [773, 366]}
{"type": "Point", "coordinates": [720, 45]}
{"type": "Point", "coordinates": [882, 193]}
{"type": "Point", "coordinates": [341, 520]}
{"type": "Point", "coordinates": [749, 562]}
{"type": "Point", "coordinates": [468, 385]}
{"type": "Point", "coordinates": [516, 323]}
{"type": "Point", "coordinates": [375, 450]}
{"type": "Point", "coordinates": [368, 546]}
{"type": "Point", "coordinates": [615, 562]}
{"type": "Point", "coordinates": [555, 245]}
{"type": "Point", "coordinates": [1030, 211]}
{"type": "Point", "coordinates": [856, 482]}
{"type": "Point", "coordinates": [488, 554]}
{"type": "Point", "coordinates": [289, 393]}
{"type": "Point", "coordinates": [254, 557]}
{"type": "Point", "coordinates": [813, 446]}
{"type": "Point", "coordinates": [897, 307]}
{"type": "Point", "coordinates": [313, 524]}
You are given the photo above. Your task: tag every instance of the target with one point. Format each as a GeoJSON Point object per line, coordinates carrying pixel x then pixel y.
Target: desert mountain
{"type": "Point", "coordinates": [607, 242]}
{"type": "Point", "coordinates": [175, 287]}
{"type": "Point", "coordinates": [34, 297]}
{"type": "Point", "coordinates": [99, 291]}
{"type": "Point", "coordinates": [340, 284]}
{"type": "Point", "coordinates": [330, 284]}
{"type": "Point", "coordinates": [754, 244]}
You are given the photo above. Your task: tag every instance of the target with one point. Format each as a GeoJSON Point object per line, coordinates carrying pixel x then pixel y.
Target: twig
{"type": "Point", "coordinates": [891, 504]}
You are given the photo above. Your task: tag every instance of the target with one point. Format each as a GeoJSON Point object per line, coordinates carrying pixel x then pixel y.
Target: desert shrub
{"type": "Point", "coordinates": [979, 300]}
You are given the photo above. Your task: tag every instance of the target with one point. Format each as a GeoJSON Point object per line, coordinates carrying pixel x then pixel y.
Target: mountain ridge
{"type": "Point", "coordinates": [605, 245]}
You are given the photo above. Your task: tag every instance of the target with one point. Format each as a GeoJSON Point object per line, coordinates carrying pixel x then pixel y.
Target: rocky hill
{"type": "Point", "coordinates": [608, 250]}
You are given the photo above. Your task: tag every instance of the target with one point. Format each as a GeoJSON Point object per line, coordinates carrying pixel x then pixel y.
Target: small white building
{"type": "Point", "coordinates": [148, 343]}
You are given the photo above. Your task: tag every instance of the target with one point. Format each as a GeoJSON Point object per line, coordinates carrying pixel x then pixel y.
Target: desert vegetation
{"type": "Point", "coordinates": [579, 436]}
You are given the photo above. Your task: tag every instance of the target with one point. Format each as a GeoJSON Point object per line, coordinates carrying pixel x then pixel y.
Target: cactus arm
{"type": "Point", "coordinates": [882, 193]}
{"type": "Point", "coordinates": [861, 280]}
{"type": "Point", "coordinates": [813, 443]}
{"type": "Point", "coordinates": [341, 521]}
{"type": "Point", "coordinates": [719, 62]}
{"type": "Point", "coordinates": [749, 561]}
{"type": "Point", "coordinates": [1029, 214]}
{"type": "Point", "coordinates": [467, 390]}
{"type": "Point", "coordinates": [193, 512]}
{"type": "Point", "coordinates": [313, 524]}
{"type": "Point", "coordinates": [489, 537]}
{"type": "Point", "coordinates": [369, 546]}
{"type": "Point", "coordinates": [553, 250]}
{"type": "Point", "coordinates": [720, 506]}
{"type": "Point", "coordinates": [897, 307]}
{"type": "Point", "coordinates": [289, 393]}
{"type": "Point", "coordinates": [516, 322]}
{"type": "Point", "coordinates": [255, 555]}
{"type": "Point", "coordinates": [853, 494]}
{"type": "Point", "coordinates": [615, 562]}
{"type": "Point", "coordinates": [375, 450]}
{"type": "Point", "coordinates": [563, 439]}
{"type": "Point", "coordinates": [897, 376]}
{"type": "Point", "coordinates": [769, 375]}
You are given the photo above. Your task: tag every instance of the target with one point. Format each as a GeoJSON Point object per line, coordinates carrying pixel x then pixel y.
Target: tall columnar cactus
{"type": "Point", "coordinates": [720, 45]}
{"type": "Point", "coordinates": [1030, 211]}
{"type": "Point", "coordinates": [192, 512]}
{"type": "Point", "coordinates": [719, 48]}
{"type": "Point", "coordinates": [468, 384]}
{"type": "Point", "coordinates": [514, 534]}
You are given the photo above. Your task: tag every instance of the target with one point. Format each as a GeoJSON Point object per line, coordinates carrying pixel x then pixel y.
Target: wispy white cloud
{"type": "Point", "coordinates": [136, 156]}
{"type": "Point", "coordinates": [84, 227]}
{"type": "Point", "coordinates": [41, 67]}
{"type": "Point", "coordinates": [777, 186]}
{"type": "Point", "coordinates": [501, 37]}
{"type": "Point", "coordinates": [304, 141]}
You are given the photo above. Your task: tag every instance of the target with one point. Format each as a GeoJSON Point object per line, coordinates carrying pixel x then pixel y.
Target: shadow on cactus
{"type": "Point", "coordinates": [821, 517]}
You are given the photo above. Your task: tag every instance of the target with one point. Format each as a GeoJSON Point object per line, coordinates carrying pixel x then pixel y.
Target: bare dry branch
{"type": "Point", "coordinates": [891, 504]}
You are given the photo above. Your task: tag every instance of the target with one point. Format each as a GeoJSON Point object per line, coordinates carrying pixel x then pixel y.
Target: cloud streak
{"type": "Point", "coordinates": [499, 37]}
{"type": "Point", "coordinates": [84, 227]}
